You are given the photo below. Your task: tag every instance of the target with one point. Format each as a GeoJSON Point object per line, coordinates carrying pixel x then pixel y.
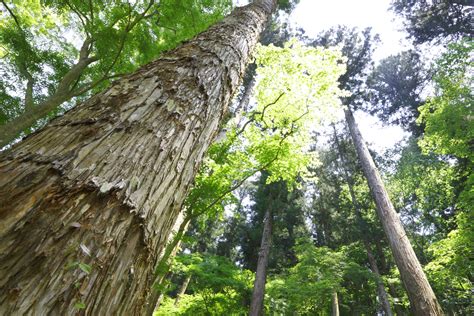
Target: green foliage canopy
{"type": "Point", "coordinates": [52, 51]}
{"type": "Point", "coordinates": [297, 88]}
{"type": "Point", "coordinates": [309, 285]}
{"type": "Point", "coordinates": [217, 287]}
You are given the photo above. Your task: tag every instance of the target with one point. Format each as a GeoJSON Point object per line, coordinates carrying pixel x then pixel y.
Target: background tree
{"type": "Point", "coordinates": [436, 20]}
{"type": "Point", "coordinates": [308, 287]}
{"type": "Point", "coordinates": [422, 298]}
{"type": "Point", "coordinates": [342, 202]}
{"type": "Point", "coordinates": [216, 286]}
{"type": "Point", "coordinates": [448, 132]}
{"type": "Point", "coordinates": [394, 90]}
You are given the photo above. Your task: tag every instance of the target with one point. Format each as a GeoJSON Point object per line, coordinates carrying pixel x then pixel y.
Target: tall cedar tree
{"type": "Point", "coordinates": [382, 294]}
{"type": "Point", "coordinates": [276, 222]}
{"type": "Point", "coordinates": [435, 20]}
{"type": "Point", "coordinates": [358, 51]}
{"type": "Point", "coordinates": [422, 298]}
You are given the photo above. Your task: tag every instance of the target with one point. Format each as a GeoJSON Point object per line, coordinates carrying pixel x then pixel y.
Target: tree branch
{"type": "Point", "coordinates": [262, 113]}
{"type": "Point", "coordinates": [29, 104]}
{"type": "Point", "coordinates": [130, 25]}
{"type": "Point", "coordinates": [94, 84]}
{"type": "Point", "coordinates": [240, 182]}
{"type": "Point", "coordinates": [13, 16]}
{"type": "Point", "coordinates": [80, 15]}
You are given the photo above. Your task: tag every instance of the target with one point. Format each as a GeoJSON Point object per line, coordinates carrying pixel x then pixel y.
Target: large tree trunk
{"type": "Point", "coordinates": [256, 305]}
{"type": "Point", "coordinates": [422, 298]}
{"type": "Point", "coordinates": [87, 202]}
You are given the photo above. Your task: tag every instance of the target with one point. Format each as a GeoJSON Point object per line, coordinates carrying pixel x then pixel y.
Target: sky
{"type": "Point", "coordinates": [315, 16]}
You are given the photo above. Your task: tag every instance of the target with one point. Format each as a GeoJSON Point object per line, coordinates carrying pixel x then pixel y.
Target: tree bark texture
{"type": "Point", "coordinates": [87, 203]}
{"type": "Point", "coordinates": [256, 305]}
{"type": "Point", "coordinates": [422, 298]}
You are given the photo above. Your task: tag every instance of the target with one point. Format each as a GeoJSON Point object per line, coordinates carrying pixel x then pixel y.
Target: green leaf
{"type": "Point", "coordinates": [79, 305]}
{"type": "Point", "coordinates": [72, 265]}
{"type": "Point", "coordinates": [85, 267]}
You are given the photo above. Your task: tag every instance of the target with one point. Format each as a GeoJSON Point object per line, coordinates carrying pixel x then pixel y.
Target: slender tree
{"type": "Point", "coordinates": [357, 47]}
{"type": "Point", "coordinates": [335, 305]}
{"type": "Point", "coordinates": [422, 298]}
{"type": "Point", "coordinates": [256, 305]}
{"type": "Point", "coordinates": [86, 202]}
{"type": "Point", "coordinates": [275, 219]}
{"type": "Point", "coordinates": [182, 290]}
{"type": "Point", "coordinates": [382, 294]}
{"type": "Point", "coordinates": [162, 268]}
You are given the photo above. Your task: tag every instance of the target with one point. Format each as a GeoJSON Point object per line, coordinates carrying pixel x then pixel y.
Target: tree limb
{"type": "Point", "coordinates": [13, 16]}
{"type": "Point", "coordinates": [262, 113]}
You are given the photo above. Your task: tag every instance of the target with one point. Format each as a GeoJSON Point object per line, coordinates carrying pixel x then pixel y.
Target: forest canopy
{"type": "Point", "coordinates": [198, 157]}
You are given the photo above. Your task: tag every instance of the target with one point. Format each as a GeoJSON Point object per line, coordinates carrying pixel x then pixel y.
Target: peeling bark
{"type": "Point", "coordinates": [422, 298]}
{"type": "Point", "coordinates": [87, 203]}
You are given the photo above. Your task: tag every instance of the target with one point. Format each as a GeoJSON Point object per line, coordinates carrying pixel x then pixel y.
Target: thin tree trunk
{"type": "Point", "coordinates": [422, 298]}
{"type": "Point", "coordinates": [335, 305]}
{"type": "Point", "coordinates": [382, 294]}
{"type": "Point", "coordinates": [379, 249]}
{"type": "Point", "coordinates": [162, 268]}
{"type": "Point", "coordinates": [159, 300]}
{"type": "Point", "coordinates": [87, 202]}
{"type": "Point", "coordinates": [399, 309]}
{"type": "Point", "coordinates": [256, 305]}
{"type": "Point", "coordinates": [384, 266]}
{"type": "Point", "coordinates": [244, 102]}
{"type": "Point", "coordinates": [182, 290]}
